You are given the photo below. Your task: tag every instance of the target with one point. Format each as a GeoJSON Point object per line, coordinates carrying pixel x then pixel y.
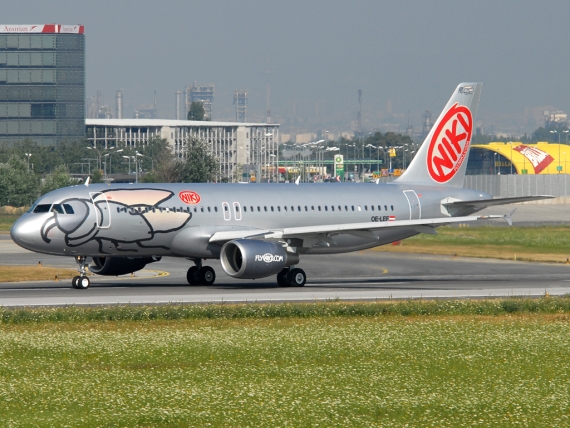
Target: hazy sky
{"type": "Point", "coordinates": [410, 52]}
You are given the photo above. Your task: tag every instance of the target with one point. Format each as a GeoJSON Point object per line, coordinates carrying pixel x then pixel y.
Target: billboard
{"type": "Point", "coordinates": [47, 28]}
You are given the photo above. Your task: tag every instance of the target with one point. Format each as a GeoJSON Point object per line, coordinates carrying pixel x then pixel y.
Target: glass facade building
{"type": "Point", "coordinates": [42, 83]}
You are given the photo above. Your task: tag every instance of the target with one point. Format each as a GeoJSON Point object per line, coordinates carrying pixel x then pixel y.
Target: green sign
{"type": "Point", "coordinates": [339, 166]}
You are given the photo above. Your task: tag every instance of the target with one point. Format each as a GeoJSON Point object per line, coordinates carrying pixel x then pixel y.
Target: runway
{"type": "Point", "coordinates": [366, 275]}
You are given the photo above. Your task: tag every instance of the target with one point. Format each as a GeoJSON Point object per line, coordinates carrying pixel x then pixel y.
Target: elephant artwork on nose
{"type": "Point", "coordinates": [93, 224]}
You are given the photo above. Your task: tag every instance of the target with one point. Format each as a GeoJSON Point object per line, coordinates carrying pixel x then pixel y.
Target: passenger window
{"type": "Point", "coordinates": [359, 208]}
{"type": "Point", "coordinates": [285, 207]}
{"type": "Point", "coordinates": [195, 209]}
{"type": "Point", "coordinates": [226, 208]}
{"type": "Point", "coordinates": [258, 208]}
{"type": "Point", "coordinates": [69, 209]}
{"type": "Point", "coordinates": [352, 207]}
{"type": "Point", "coordinates": [265, 208]}
{"type": "Point", "coordinates": [346, 208]}
{"type": "Point", "coordinates": [209, 209]}
{"type": "Point", "coordinates": [237, 208]}
{"type": "Point", "coordinates": [271, 208]}
{"type": "Point", "coordinates": [332, 207]}
{"type": "Point", "coordinates": [326, 208]}
{"type": "Point", "coordinates": [251, 208]}
{"type": "Point", "coordinates": [293, 208]}
{"type": "Point", "coordinates": [312, 208]}
{"type": "Point", "coordinates": [365, 207]}
{"type": "Point", "coordinates": [319, 207]}
{"type": "Point", "coordinates": [385, 207]}
{"type": "Point", "coordinates": [244, 209]}
{"type": "Point", "coordinates": [216, 209]}
{"type": "Point", "coordinates": [202, 209]}
{"type": "Point", "coordinates": [306, 208]}
{"type": "Point", "coordinates": [392, 207]}
{"type": "Point", "coordinates": [372, 207]}
{"type": "Point", "coordinates": [118, 210]}
{"type": "Point", "coordinates": [278, 208]}
{"type": "Point", "coordinates": [339, 208]}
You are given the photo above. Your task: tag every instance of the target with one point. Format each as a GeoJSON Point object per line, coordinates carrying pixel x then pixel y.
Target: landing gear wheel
{"type": "Point", "coordinates": [297, 277]}
{"type": "Point", "coordinates": [206, 275]}
{"type": "Point", "coordinates": [83, 283]}
{"type": "Point", "coordinates": [74, 281]}
{"type": "Point", "coordinates": [192, 276]}
{"type": "Point", "coordinates": [282, 278]}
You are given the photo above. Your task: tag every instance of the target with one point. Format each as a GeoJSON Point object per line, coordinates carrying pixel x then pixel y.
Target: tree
{"type": "Point", "coordinates": [18, 187]}
{"type": "Point", "coordinates": [201, 165]}
{"type": "Point", "coordinates": [167, 169]}
{"type": "Point", "coordinates": [58, 179]}
{"type": "Point", "coordinates": [197, 111]}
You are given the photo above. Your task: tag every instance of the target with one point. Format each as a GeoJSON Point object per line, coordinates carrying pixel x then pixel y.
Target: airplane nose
{"type": "Point", "coordinates": [24, 233]}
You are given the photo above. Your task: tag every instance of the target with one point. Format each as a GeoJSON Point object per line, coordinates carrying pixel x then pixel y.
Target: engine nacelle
{"type": "Point", "coordinates": [250, 259]}
{"type": "Point", "coordinates": [113, 266]}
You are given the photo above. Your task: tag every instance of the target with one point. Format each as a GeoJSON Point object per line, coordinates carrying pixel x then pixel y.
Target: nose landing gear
{"type": "Point", "coordinates": [200, 275]}
{"type": "Point", "coordinates": [81, 282]}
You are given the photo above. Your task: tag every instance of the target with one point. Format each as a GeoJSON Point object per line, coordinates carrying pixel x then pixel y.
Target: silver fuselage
{"type": "Point", "coordinates": [161, 220]}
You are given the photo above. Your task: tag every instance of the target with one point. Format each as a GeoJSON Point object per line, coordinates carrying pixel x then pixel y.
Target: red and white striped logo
{"type": "Point", "coordinates": [392, 218]}
{"type": "Point", "coordinates": [449, 145]}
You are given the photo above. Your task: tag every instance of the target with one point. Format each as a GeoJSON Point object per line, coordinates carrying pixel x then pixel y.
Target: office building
{"type": "Point", "coordinates": [42, 83]}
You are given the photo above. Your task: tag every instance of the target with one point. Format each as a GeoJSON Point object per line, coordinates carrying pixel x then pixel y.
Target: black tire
{"type": "Point", "coordinates": [74, 282]}
{"type": "Point", "coordinates": [83, 283]}
{"type": "Point", "coordinates": [206, 275]}
{"type": "Point", "coordinates": [192, 276]}
{"type": "Point", "coordinates": [297, 277]}
{"type": "Point", "coordinates": [282, 278]}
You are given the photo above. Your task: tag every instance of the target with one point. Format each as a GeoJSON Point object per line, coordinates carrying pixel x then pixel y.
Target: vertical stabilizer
{"type": "Point", "coordinates": [442, 157]}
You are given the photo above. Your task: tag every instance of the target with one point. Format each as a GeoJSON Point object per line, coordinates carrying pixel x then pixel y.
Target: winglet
{"type": "Point", "coordinates": [87, 181]}
{"type": "Point", "coordinates": [298, 180]}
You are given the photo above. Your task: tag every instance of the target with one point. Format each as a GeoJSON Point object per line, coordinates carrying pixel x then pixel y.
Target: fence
{"type": "Point", "coordinates": [504, 186]}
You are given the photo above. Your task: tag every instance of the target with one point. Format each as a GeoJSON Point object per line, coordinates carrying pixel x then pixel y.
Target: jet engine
{"type": "Point", "coordinates": [250, 259]}
{"type": "Point", "coordinates": [113, 266]}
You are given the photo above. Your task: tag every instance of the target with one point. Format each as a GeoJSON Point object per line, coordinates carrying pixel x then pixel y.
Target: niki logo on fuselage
{"type": "Point", "coordinates": [449, 145]}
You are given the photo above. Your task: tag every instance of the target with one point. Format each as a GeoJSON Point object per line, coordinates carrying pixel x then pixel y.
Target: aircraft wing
{"type": "Point", "coordinates": [364, 230]}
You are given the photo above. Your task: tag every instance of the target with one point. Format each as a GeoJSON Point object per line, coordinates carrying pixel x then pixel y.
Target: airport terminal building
{"type": "Point", "coordinates": [242, 148]}
{"type": "Point", "coordinates": [42, 83]}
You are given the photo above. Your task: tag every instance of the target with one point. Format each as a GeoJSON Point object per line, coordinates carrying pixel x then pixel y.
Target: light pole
{"type": "Point", "coordinates": [151, 159]}
{"type": "Point", "coordinates": [556, 132]}
{"type": "Point", "coordinates": [129, 158]}
{"type": "Point", "coordinates": [28, 155]}
{"type": "Point", "coordinates": [98, 153]}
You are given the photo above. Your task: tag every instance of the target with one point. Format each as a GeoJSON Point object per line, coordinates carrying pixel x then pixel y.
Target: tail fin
{"type": "Point", "coordinates": [442, 157]}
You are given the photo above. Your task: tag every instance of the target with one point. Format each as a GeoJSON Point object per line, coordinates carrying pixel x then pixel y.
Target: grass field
{"type": "Point", "coordinates": [544, 243]}
{"type": "Point", "coordinates": [34, 273]}
{"type": "Point", "coordinates": [261, 365]}
{"type": "Point", "coordinates": [6, 222]}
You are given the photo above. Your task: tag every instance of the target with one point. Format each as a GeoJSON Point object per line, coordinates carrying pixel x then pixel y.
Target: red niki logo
{"type": "Point", "coordinates": [189, 197]}
{"type": "Point", "coordinates": [450, 143]}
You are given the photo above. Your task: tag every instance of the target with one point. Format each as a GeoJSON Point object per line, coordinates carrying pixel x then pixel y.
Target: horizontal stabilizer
{"type": "Point", "coordinates": [480, 204]}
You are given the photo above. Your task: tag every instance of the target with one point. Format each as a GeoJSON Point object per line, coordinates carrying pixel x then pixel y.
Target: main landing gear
{"type": "Point", "coordinates": [200, 275]}
{"type": "Point", "coordinates": [291, 277]}
{"type": "Point", "coordinates": [81, 282]}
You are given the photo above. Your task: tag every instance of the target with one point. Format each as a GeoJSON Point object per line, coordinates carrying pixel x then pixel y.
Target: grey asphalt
{"type": "Point", "coordinates": [354, 276]}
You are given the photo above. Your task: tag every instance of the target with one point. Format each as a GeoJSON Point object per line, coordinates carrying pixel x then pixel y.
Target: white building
{"type": "Point", "coordinates": [252, 147]}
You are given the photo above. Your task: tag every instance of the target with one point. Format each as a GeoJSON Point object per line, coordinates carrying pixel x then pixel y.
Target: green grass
{"type": "Point", "coordinates": [6, 222]}
{"type": "Point", "coordinates": [544, 243]}
{"type": "Point", "coordinates": [422, 363]}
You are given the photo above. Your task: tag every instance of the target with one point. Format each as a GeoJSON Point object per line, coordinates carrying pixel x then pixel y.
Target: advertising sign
{"type": "Point", "coordinates": [339, 166]}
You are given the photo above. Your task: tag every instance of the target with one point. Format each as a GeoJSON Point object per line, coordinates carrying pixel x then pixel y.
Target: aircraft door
{"type": "Point", "coordinates": [226, 211]}
{"type": "Point", "coordinates": [102, 209]}
{"type": "Point", "coordinates": [237, 211]}
{"type": "Point", "coordinates": [414, 203]}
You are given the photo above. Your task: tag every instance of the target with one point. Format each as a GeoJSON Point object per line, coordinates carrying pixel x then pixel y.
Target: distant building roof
{"type": "Point", "coordinates": [166, 122]}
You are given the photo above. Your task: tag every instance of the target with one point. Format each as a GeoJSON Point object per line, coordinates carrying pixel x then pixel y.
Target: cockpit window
{"type": "Point", "coordinates": [42, 208]}
{"type": "Point", "coordinates": [56, 208]}
{"type": "Point", "coordinates": [68, 209]}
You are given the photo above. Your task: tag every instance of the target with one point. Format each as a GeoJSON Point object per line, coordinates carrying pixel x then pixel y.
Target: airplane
{"type": "Point", "coordinates": [258, 230]}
